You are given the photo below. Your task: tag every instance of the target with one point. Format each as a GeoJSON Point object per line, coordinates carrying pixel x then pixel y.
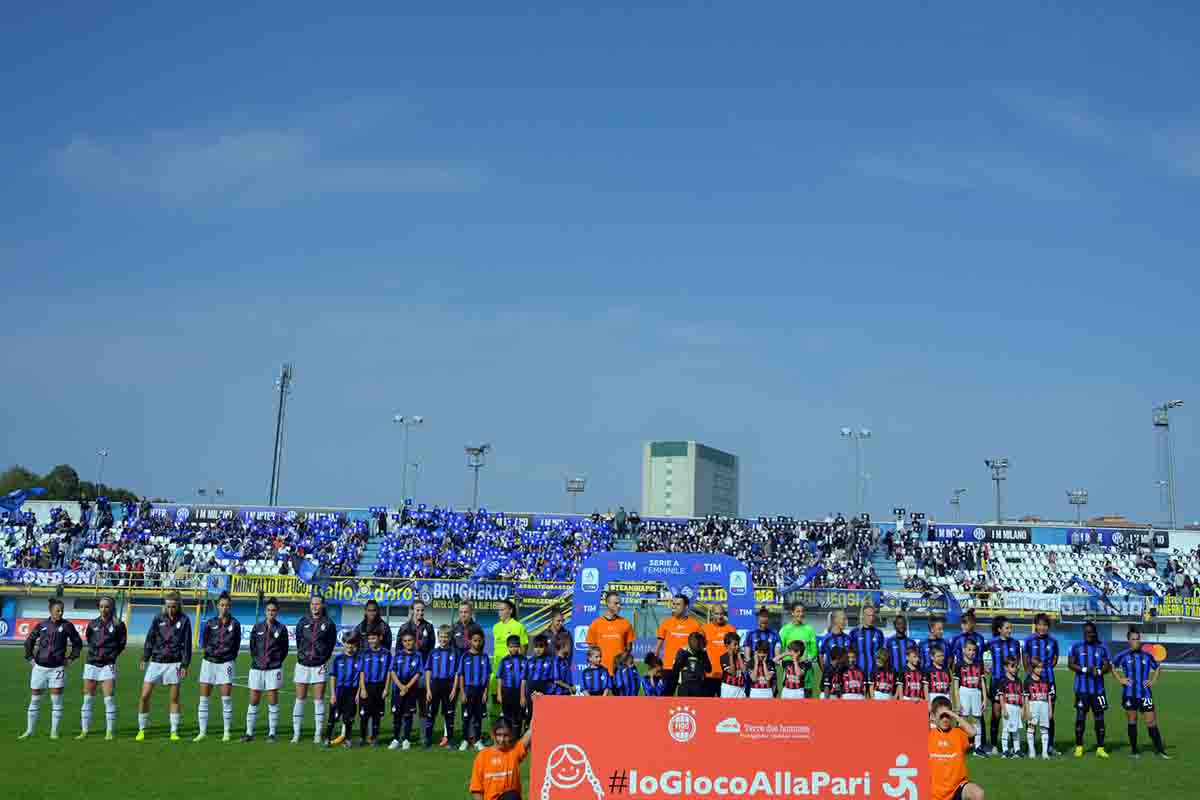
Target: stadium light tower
{"type": "Point", "coordinates": [476, 459]}
{"type": "Point", "coordinates": [102, 454]}
{"type": "Point", "coordinates": [1079, 499]}
{"type": "Point", "coordinates": [857, 437]}
{"type": "Point", "coordinates": [575, 487]}
{"type": "Point", "coordinates": [999, 468]}
{"type": "Point", "coordinates": [284, 385]}
{"type": "Point", "coordinates": [956, 502]}
{"type": "Point", "coordinates": [407, 423]}
{"type": "Point", "coordinates": [1165, 455]}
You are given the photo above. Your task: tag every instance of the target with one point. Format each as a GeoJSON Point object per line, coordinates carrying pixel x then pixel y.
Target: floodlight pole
{"type": "Point", "coordinates": [1162, 423]}
{"type": "Point", "coordinates": [575, 487]}
{"type": "Point", "coordinates": [408, 423]}
{"type": "Point", "coordinates": [476, 460]}
{"type": "Point", "coordinates": [1079, 499]}
{"type": "Point", "coordinates": [999, 468]}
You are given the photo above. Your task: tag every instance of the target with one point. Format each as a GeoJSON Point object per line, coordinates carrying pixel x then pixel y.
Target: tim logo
{"type": "Point", "coordinates": [623, 565]}
{"type": "Point", "coordinates": [590, 579]}
{"type": "Point", "coordinates": [737, 582]}
{"type": "Point", "coordinates": [681, 726]}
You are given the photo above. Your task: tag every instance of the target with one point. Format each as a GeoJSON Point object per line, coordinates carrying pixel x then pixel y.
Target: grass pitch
{"type": "Point", "coordinates": [98, 770]}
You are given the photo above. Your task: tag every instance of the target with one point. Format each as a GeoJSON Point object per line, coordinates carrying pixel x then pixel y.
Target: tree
{"type": "Point", "coordinates": [61, 483]}
{"type": "Point", "coordinates": [17, 477]}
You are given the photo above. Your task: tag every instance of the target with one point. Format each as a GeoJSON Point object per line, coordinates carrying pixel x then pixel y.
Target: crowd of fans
{"type": "Point", "coordinates": [778, 551]}
{"type": "Point", "coordinates": [143, 546]}
{"type": "Point", "coordinates": [443, 543]}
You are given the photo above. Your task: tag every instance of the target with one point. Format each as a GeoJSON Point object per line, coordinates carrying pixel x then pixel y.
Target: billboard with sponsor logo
{"type": "Point", "coordinates": [24, 625]}
{"type": "Point", "coordinates": [8, 627]}
{"type": "Point", "coordinates": [652, 576]}
{"type": "Point", "coordinates": [709, 747]}
{"type": "Point", "coordinates": [1019, 534]}
{"type": "Point", "coordinates": [1117, 537]}
{"type": "Point", "coordinates": [51, 577]}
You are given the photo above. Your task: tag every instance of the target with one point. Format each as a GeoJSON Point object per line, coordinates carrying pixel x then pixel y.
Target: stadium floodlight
{"type": "Point", "coordinates": [102, 454]}
{"type": "Point", "coordinates": [1079, 499]}
{"type": "Point", "coordinates": [476, 460]}
{"type": "Point", "coordinates": [1165, 455]}
{"type": "Point", "coordinates": [407, 422]}
{"type": "Point", "coordinates": [956, 501]}
{"type": "Point", "coordinates": [575, 487]}
{"type": "Point", "coordinates": [999, 468]}
{"type": "Point", "coordinates": [857, 436]}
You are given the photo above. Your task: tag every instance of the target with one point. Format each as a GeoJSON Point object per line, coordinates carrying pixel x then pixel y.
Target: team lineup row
{"type": "Point", "coordinates": [425, 679]}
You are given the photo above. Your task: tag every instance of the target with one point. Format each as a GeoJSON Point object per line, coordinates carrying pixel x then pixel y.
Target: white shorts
{"type": "Point", "coordinates": [1039, 714]}
{"type": "Point", "coordinates": [99, 674]}
{"type": "Point", "coordinates": [166, 674]}
{"type": "Point", "coordinates": [730, 691]}
{"type": "Point", "coordinates": [48, 677]}
{"type": "Point", "coordinates": [1012, 718]}
{"type": "Point", "coordinates": [216, 674]}
{"type": "Point", "coordinates": [309, 675]}
{"type": "Point", "coordinates": [791, 694]}
{"type": "Point", "coordinates": [853, 697]}
{"type": "Point", "coordinates": [266, 680]}
{"type": "Point", "coordinates": [970, 702]}
{"type": "Point", "coordinates": [761, 693]}
{"type": "Point", "coordinates": [881, 696]}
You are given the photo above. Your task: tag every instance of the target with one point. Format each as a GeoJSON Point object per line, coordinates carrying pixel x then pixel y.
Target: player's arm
{"type": "Point", "coordinates": [362, 685]}
{"type": "Point", "coordinates": [31, 640]}
{"type": "Point", "coordinates": [1153, 677]}
{"type": "Point", "coordinates": [148, 648]}
{"type": "Point", "coordinates": [187, 652]}
{"type": "Point", "coordinates": [954, 682]}
{"type": "Point", "coordinates": [1027, 658]}
{"type": "Point", "coordinates": [965, 726]}
{"type": "Point", "coordinates": [523, 690]}
{"type": "Point", "coordinates": [1073, 662]}
{"type": "Point", "coordinates": [77, 643]}
{"type": "Point", "coordinates": [1120, 675]}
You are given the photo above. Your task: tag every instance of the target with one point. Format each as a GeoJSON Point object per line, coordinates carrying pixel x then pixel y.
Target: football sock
{"type": "Point", "coordinates": [272, 719]}
{"type": "Point", "coordinates": [85, 713]}
{"type": "Point", "coordinates": [110, 714]}
{"type": "Point", "coordinates": [143, 720]}
{"type": "Point", "coordinates": [1099, 731]}
{"type": "Point", "coordinates": [297, 717]}
{"type": "Point", "coordinates": [251, 719]}
{"type": "Point", "coordinates": [202, 713]}
{"type": "Point", "coordinates": [319, 715]}
{"type": "Point", "coordinates": [1156, 737]}
{"type": "Point", "coordinates": [1131, 729]}
{"type": "Point", "coordinates": [174, 717]}
{"type": "Point", "coordinates": [31, 715]}
{"type": "Point", "coordinates": [227, 712]}
{"type": "Point", "coordinates": [56, 711]}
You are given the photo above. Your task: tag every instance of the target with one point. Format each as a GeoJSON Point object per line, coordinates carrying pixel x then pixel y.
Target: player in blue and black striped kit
{"type": "Point", "coordinates": [1137, 672]}
{"type": "Point", "coordinates": [1090, 662]}
{"type": "Point", "coordinates": [539, 674]}
{"type": "Point", "coordinates": [376, 663]}
{"type": "Point", "coordinates": [595, 679]}
{"type": "Point", "coordinates": [867, 639]}
{"type": "Point", "coordinates": [626, 680]}
{"type": "Point", "coordinates": [441, 690]}
{"type": "Point", "coordinates": [1043, 646]}
{"type": "Point", "coordinates": [474, 672]}
{"type": "Point", "coordinates": [1001, 648]}
{"type": "Point", "coordinates": [408, 665]}
{"type": "Point", "coordinates": [344, 676]}
{"type": "Point", "coordinates": [509, 695]}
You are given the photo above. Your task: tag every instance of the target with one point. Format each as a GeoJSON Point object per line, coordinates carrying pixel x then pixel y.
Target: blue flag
{"type": "Point", "coordinates": [489, 568]}
{"type": "Point", "coordinates": [1137, 586]}
{"type": "Point", "coordinates": [307, 571]}
{"type": "Point", "coordinates": [953, 607]}
{"type": "Point", "coordinates": [808, 577]}
{"type": "Point", "coordinates": [1093, 591]}
{"type": "Point", "coordinates": [217, 584]}
{"type": "Point", "coordinates": [14, 499]}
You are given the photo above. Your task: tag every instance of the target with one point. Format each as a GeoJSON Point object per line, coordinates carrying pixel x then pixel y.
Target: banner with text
{"type": "Point", "coordinates": [1177, 607]}
{"type": "Point", "coordinates": [51, 577]}
{"type": "Point", "coordinates": [1117, 537]}
{"type": "Point", "coordinates": [709, 747]}
{"type": "Point", "coordinates": [981, 533]}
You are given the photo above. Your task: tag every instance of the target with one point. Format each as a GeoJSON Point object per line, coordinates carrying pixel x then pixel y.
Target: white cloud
{"type": "Point", "coordinates": [250, 164]}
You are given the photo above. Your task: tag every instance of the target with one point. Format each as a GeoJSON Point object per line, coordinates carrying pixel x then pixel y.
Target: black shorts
{"type": "Point", "coordinates": [993, 692]}
{"type": "Point", "coordinates": [1096, 703]}
{"type": "Point", "coordinates": [1144, 704]}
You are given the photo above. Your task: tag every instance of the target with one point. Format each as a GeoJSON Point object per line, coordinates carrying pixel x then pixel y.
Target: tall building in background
{"type": "Point", "coordinates": [688, 479]}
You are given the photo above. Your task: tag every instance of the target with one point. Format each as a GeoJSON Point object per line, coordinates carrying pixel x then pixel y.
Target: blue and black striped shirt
{"type": "Point", "coordinates": [512, 671]}
{"type": "Point", "coordinates": [926, 660]}
{"type": "Point", "coordinates": [345, 671]}
{"type": "Point", "coordinates": [442, 664]}
{"type": "Point", "coordinates": [626, 681]}
{"type": "Point", "coordinates": [898, 650]}
{"type": "Point", "coordinates": [867, 641]}
{"type": "Point", "coordinates": [770, 636]}
{"type": "Point", "coordinates": [1046, 649]}
{"type": "Point", "coordinates": [562, 674]}
{"type": "Point", "coordinates": [1089, 656]}
{"type": "Point", "coordinates": [957, 643]}
{"type": "Point", "coordinates": [831, 641]}
{"type": "Point", "coordinates": [595, 680]}
{"type": "Point", "coordinates": [1000, 650]}
{"type": "Point", "coordinates": [540, 670]}
{"type": "Point", "coordinates": [475, 669]}
{"type": "Point", "coordinates": [407, 665]}
{"type": "Point", "coordinates": [653, 687]}
{"type": "Point", "coordinates": [375, 665]}
{"type": "Point", "coordinates": [1137, 665]}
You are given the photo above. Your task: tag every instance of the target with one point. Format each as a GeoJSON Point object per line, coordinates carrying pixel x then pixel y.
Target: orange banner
{"type": "Point", "coordinates": [587, 748]}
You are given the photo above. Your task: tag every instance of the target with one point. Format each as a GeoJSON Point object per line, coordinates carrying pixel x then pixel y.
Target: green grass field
{"type": "Point", "coordinates": [99, 770]}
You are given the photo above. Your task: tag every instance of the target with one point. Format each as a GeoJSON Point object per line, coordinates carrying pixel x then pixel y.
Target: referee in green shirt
{"type": "Point", "coordinates": [508, 626]}
{"type": "Point", "coordinates": [798, 629]}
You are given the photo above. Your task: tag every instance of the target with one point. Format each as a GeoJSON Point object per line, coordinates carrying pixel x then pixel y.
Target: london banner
{"type": "Point", "coordinates": [709, 747]}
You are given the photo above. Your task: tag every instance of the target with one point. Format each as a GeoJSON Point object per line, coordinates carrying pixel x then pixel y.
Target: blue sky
{"type": "Point", "coordinates": [570, 229]}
